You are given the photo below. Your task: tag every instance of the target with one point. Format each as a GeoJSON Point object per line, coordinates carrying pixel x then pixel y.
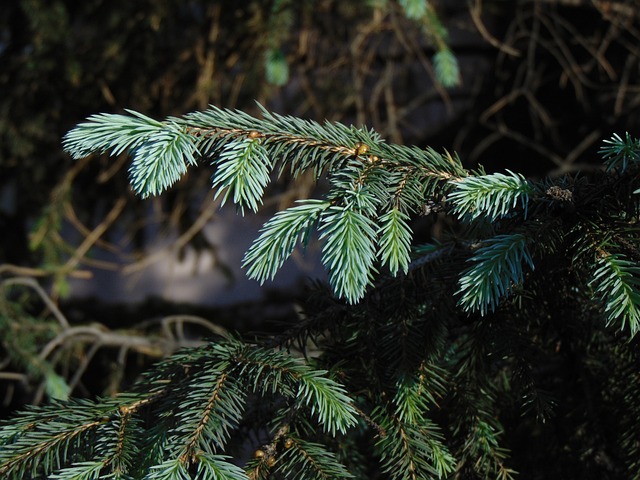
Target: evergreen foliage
{"type": "Point", "coordinates": [424, 350]}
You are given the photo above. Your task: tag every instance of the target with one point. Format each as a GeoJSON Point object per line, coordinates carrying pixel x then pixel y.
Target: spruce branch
{"type": "Point", "coordinates": [367, 176]}
{"type": "Point", "coordinates": [161, 150]}
{"type": "Point", "coordinates": [416, 395]}
{"type": "Point", "coordinates": [243, 169]}
{"type": "Point", "coordinates": [206, 418]}
{"type": "Point", "coordinates": [394, 245]}
{"type": "Point", "coordinates": [498, 266]}
{"type": "Point", "coordinates": [161, 160]}
{"type": "Point", "coordinates": [620, 154]}
{"type": "Point", "coordinates": [349, 251]}
{"type": "Point", "coordinates": [33, 442]}
{"type": "Point", "coordinates": [82, 471]}
{"type": "Point", "coordinates": [310, 461]}
{"type": "Point", "coordinates": [491, 196]}
{"type": "Point", "coordinates": [103, 132]}
{"type": "Point", "coordinates": [279, 236]}
{"type": "Point", "coordinates": [617, 282]}
{"type": "Point", "coordinates": [411, 451]}
{"type": "Point", "coordinates": [270, 370]}
{"type": "Point", "coordinates": [483, 452]}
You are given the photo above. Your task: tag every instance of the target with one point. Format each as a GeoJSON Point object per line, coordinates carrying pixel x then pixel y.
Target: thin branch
{"type": "Point", "coordinates": [31, 283]}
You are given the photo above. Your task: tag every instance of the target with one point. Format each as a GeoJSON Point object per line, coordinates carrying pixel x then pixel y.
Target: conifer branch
{"type": "Point", "coordinates": [620, 154]}
{"type": "Point", "coordinates": [498, 267]}
{"type": "Point", "coordinates": [242, 169]}
{"type": "Point", "coordinates": [617, 281]}
{"type": "Point", "coordinates": [349, 251]}
{"type": "Point", "coordinates": [279, 236]}
{"type": "Point", "coordinates": [484, 452]}
{"type": "Point", "coordinates": [417, 351]}
{"type": "Point", "coordinates": [395, 241]}
{"type": "Point", "coordinates": [413, 451]}
{"type": "Point", "coordinates": [311, 461]}
{"type": "Point", "coordinates": [490, 196]}
{"type": "Point", "coordinates": [361, 167]}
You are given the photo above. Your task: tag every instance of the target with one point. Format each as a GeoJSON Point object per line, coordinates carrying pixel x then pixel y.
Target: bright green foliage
{"type": "Point", "coordinates": [446, 67]}
{"type": "Point", "coordinates": [243, 169]}
{"type": "Point", "coordinates": [245, 150]}
{"type": "Point", "coordinates": [498, 267]}
{"type": "Point", "coordinates": [279, 237]}
{"type": "Point", "coordinates": [490, 196]}
{"type": "Point", "coordinates": [617, 281]}
{"type": "Point", "coordinates": [395, 240]}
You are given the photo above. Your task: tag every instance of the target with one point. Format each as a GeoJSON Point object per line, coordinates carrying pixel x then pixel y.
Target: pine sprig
{"type": "Point", "coordinates": [617, 282]}
{"type": "Point", "coordinates": [414, 398]}
{"type": "Point", "coordinates": [34, 442]}
{"type": "Point", "coordinates": [82, 471]}
{"type": "Point", "coordinates": [485, 453]}
{"type": "Point", "coordinates": [243, 168]}
{"type": "Point", "coordinates": [103, 132]}
{"type": "Point", "coordinates": [446, 66]}
{"type": "Point", "coordinates": [161, 150]}
{"type": "Point", "coordinates": [367, 176]}
{"type": "Point", "coordinates": [395, 241]}
{"type": "Point", "coordinates": [161, 160]}
{"type": "Point", "coordinates": [498, 266]}
{"type": "Point", "coordinates": [310, 461]}
{"type": "Point", "coordinates": [279, 236]}
{"type": "Point", "coordinates": [349, 251]}
{"type": "Point", "coordinates": [490, 196]}
{"type": "Point", "coordinates": [211, 412]}
{"type": "Point", "coordinates": [411, 451]}
{"type": "Point", "coordinates": [271, 370]}
{"type": "Point", "coordinates": [416, 395]}
{"type": "Point", "coordinates": [195, 416]}
{"type": "Point", "coordinates": [295, 143]}
{"type": "Point", "coordinates": [619, 153]}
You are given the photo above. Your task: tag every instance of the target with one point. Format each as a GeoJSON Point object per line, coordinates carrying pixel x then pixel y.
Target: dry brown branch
{"type": "Point", "coordinates": [73, 219]}
{"type": "Point", "coordinates": [95, 235]}
{"type": "Point", "coordinates": [475, 10]}
{"type": "Point", "coordinates": [40, 272]}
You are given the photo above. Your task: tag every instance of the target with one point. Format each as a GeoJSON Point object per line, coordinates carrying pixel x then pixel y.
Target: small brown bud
{"type": "Point", "coordinates": [271, 461]}
{"type": "Point", "coordinates": [254, 134]}
{"type": "Point", "coordinates": [288, 443]}
{"type": "Point", "coordinates": [361, 149]}
{"type": "Point", "coordinates": [258, 454]}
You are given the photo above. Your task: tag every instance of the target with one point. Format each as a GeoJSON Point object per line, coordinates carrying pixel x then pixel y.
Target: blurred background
{"type": "Point", "coordinates": [95, 283]}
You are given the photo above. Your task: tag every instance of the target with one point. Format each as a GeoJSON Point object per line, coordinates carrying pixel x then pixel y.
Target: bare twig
{"type": "Point", "coordinates": [35, 286]}
{"type": "Point", "coordinates": [475, 10]}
